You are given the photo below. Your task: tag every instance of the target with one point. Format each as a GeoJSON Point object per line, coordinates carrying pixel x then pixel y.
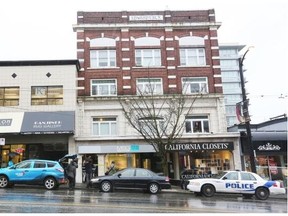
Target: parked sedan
{"type": "Point", "coordinates": [132, 178]}
{"type": "Point", "coordinates": [241, 182]}
{"type": "Point", "coordinates": [34, 172]}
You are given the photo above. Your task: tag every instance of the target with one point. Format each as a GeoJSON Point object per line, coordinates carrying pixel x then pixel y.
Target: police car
{"type": "Point", "coordinates": [238, 182]}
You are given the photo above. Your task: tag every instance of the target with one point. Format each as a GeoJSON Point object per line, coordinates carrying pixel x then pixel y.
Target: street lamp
{"type": "Point", "coordinates": [245, 101]}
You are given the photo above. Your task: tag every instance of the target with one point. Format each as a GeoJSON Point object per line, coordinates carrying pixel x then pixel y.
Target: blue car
{"type": "Point", "coordinates": [48, 173]}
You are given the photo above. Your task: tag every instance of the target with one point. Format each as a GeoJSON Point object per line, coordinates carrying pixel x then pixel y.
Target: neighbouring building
{"type": "Point", "coordinates": [269, 141]}
{"type": "Point", "coordinates": [37, 108]}
{"type": "Point", "coordinates": [231, 82]}
{"type": "Point", "coordinates": [122, 52]}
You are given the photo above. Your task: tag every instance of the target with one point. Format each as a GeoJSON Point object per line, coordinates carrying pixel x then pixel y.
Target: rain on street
{"type": "Point", "coordinates": [38, 200]}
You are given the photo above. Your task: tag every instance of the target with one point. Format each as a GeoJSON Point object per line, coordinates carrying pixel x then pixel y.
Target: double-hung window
{"type": "Point", "coordinates": [192, 57]}
{"type": "Point", "coordinates": [193, 85]}
{"type": "Point", "coordinates": [148, 57]}
{"type": "Point", "coordinates": [148, 86]}
{"type": "Point", "coordinates": [46, 95]}
{"type": "Point", "coordinates": [197, 124]}
{"type": "Point", "coordinates": [147, 52]}
{"type": "Point", "coordinates": [102, 52]}
{"type": "Point", "coordinates": [9, 96]}
{"type": "Point", "coordinates": [103, 87]}
{"type": "Point", "coordinates": [104, 126]}
{"type": "Point", "coordinates": [192, 51]}
{"type": "Point", "coordinates": [102, 58]}
{"type": "Point", "coordinates": [151, 126]}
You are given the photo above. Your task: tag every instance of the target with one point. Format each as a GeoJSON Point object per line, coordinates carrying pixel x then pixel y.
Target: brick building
{"type": "Point", "coordinates": [120, 53]}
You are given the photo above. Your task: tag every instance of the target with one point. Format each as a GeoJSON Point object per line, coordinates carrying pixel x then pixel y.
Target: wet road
{"type": "Point", "coordinates": [39, 200]}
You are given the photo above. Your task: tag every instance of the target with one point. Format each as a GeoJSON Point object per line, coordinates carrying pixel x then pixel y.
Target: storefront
{"type": "Point", "coordinates": [271, 155]}
{"type": "Point", "coordinates": [124, 155]}
{"type": "Point", "coordinates": [204, 158]}
{"type": "Point", "coordinates": [44, 135]}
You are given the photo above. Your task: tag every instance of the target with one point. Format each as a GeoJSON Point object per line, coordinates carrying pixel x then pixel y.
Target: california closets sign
{"type": "Point", "coordinates": [200, 146]}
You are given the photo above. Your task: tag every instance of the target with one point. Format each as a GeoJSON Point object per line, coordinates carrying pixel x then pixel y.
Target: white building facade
{"type": "Point", "coordinates": [37, 108]}
{"type": "Point", "coordinates": [121, 53]}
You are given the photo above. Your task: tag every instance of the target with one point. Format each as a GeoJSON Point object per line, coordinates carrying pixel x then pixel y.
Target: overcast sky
{"type": "Point", "coordinates": [42, 30]}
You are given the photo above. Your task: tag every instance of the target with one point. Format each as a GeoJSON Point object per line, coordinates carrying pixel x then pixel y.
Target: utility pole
{"type": "Point", "coordinates": [252, 153]}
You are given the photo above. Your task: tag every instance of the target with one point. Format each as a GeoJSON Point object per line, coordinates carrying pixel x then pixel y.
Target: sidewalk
{"type": "Point", "coordinates": [177, 189]}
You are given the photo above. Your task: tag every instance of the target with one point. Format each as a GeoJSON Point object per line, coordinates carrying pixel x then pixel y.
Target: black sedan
{"type": "Point", "coordinates": [131, 178]}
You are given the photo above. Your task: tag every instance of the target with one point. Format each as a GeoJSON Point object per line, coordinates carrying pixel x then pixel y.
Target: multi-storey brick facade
{"type": "Point", "coordinates": [169, 27]}
{"type": "Point", "coordinates": [118, 51]}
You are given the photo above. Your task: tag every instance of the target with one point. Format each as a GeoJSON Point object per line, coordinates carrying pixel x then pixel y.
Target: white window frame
{"type": "Point", "coordinates": [99, 124]}
{"type": "Point", "coordinates": [198, 59]}
{"type": "Point", "coordinates": [192, 121]}
{"type": "Point", "coordinates": [201, 84]}
{"type": "Point", "coordinates": [149, 86]}
{"type": "Point", "coordinates": [146, 123]}
{"type": "Point", "coordinates": [101, 84]}
{"type": "Point", "coordinates": [108, 62]}
{"type": "Point", "coordinates": [142, 59]}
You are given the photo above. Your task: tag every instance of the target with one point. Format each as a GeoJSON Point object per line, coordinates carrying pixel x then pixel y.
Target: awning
{"type": "Point", "coordinates": [48, 122]}
{"type": "Point", "coordinates": [269, 136]}
{"type": "Point", "coordinates": [10, 122]}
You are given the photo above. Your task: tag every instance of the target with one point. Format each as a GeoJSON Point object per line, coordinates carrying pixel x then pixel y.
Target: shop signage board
{"type": "Point", "coordinates": [105, 148]}
{"type": "Point", "coordinates": [2, 141]}
{"type": "Point", "coordinates": [200, 146]}
{"type": "Point", "coordinates": [61, 122]}
{"type": "Point", "coordinates": [10, 122]}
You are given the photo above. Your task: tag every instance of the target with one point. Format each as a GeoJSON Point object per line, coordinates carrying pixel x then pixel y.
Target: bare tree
{"type": "Point", "coordinates": [159, 119]}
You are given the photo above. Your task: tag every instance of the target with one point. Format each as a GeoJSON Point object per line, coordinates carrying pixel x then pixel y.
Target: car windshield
{"type": "Point", "coordinates": [23, 165]}
{"type": "Point", "coordinates": [219, 175]}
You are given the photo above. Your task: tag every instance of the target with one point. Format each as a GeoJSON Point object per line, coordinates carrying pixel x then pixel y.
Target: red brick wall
{"type": "Point", "coordinates": [112, 18]}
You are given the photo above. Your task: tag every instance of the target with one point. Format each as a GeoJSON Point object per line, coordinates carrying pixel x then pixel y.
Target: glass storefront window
{"type": "Point", "coordinates": [121, 160]}
{"type": "Point", "coordinates": [270, 167]}
{"type": "Point", "coordinates": [15, 152]}
{"type": "Point", "coordinates": [207, 162]}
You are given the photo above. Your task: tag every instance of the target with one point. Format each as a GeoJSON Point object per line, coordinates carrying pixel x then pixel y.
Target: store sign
{"type": "Point", "coordinates": [269, 147]}
{"type": "Point", "coordinates": [200, 146]}
{"type": "Point", "coordinates": [2, 141]}
{"type": "Point", "coordinates": [197, 176]}
{"type": "Point", "coordinates": [106, 149]}
{"type": "Point", "coordinates": [10, 122]}
{"type": "Point", "coordinates": [5, 122]}
{"type": "Point", "coordinates": [48, 122]}
{"type": "Point", "coordinates": [128, 148]}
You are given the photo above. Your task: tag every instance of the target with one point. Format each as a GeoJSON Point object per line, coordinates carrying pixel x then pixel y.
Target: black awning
{"type": "Point", "coordinates": [269, 136]}
{"type": "Point", "coordinates": [61, 122]}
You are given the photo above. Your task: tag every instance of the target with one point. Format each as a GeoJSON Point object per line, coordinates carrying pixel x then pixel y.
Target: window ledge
{"type": "Point", "coordinates": [101, 68]}
{"type": "Point", "coordinates": [190, 66]}
{"type": "Point", "coordinates": [148, 67]}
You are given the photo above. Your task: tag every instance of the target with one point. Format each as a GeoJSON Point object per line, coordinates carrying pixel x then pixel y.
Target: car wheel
{"type": "Point", "coordinates": [3, 181]}
{"type": "Point", "coordinates": [106, 186]}
{"type": "Point", "coordinates": [153, 188]}
{"type": "Point", "coordinates": [247, 196]}
{"type": "Point", "coordinates": [262, 193]}
{"type": "Point", "coordinates": [50, 183]}
{"type": "Point", "coordinates": [208, 190]}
